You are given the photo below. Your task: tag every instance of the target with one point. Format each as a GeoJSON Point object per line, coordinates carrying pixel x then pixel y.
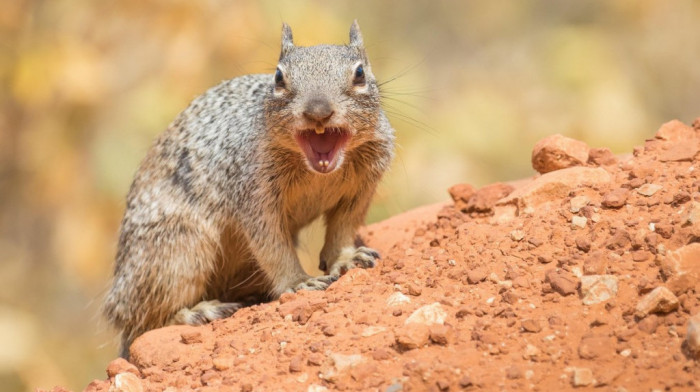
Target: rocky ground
{"type": "Point", "coordinates": [586, 276]}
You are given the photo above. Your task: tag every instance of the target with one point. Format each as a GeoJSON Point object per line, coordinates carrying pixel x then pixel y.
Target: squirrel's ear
{"type": "Point", "coordinates": [355, 35]}
{"type": "Point", "coordinates": [287, 41]}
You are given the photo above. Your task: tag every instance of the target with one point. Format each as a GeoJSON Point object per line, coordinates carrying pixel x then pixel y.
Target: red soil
{"type": "Point", "coordinates": [586, 276]}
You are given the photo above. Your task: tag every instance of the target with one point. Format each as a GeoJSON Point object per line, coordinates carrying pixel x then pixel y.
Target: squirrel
{"type": "Point", "coordinates": [214, 210]}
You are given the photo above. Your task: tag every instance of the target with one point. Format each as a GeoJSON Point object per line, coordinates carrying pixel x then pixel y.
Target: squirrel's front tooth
{"type": "Point", "coordinates": [320, 130]}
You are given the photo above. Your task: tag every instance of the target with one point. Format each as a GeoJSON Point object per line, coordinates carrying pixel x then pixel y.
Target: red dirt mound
{"type": "Point", "coordinates": [585, 276]}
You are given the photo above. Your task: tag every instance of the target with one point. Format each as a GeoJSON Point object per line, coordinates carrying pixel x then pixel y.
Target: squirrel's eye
{"type": "Point", "coordinates": [279, 79]}
{"type": "Point", "coordinates": [359, 77]}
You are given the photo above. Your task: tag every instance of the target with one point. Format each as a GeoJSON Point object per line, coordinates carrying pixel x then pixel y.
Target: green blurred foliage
{"type": "Point", "coordinates": [87, 85]}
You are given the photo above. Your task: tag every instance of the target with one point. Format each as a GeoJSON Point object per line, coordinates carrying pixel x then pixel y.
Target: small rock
{"type": "Point", "coordinates": [223, 362]}
{"type": "Point", "coordinates": [682, 269]}
{"type": "Point", "coordinates": [211, 378]}
{"type": "Point", "coordinates": [659, 300]}
{"type": "Point", "coordinates": [329, 330]}
{"type": "Point", "coordinates": [428, 315]}
{"type": "Point", "coordinates": [675, 131]}
{"type": "Point", "coordinates": [649, 189]}
{"type": "Point", "coordinates": [692, 217]}
{"type": "Point", "coordinates": [191, 337]}
{"type": "Point", "coordinates": [485, 198]}
{"type": "Point", "coordinates": [544, 259]}
{"type": "Point", "coordinates": [558, 152]}
{"type": "Point", "coordinates": [412, 336]}
{"type": "Point", "coordinates": [301, 309]}
{"type": "Point", "coordinates": [596, 346]}
{"type": "Point", "coordinates": [397, 299]}
{"type": "Point", "coordinates": [601, 157]}
{"type": "Point", "coordinates": [553, 186]}
{"type": "Point", "coordinates": [442, 385]}
{"type": "Point", "coordinates": [683, 151]}
{"type": "Point", "coordinates": [531, 352]}
{"type": "Point", "coordinates": [286, 297]}
{"type": "Point", "coordinates": [692, 336]}
{"type": "Point", "coordinates": [530, 325]}
{"type": "Point", "coordinates": [127, 382]}
{"type": "Point", "coordinates": [535, 241]}
{"type": "Point", "coordinates": [297, 364]}
{"type": "Point", "coordinates": [578, 202]}
{"type": "Point", "coordinates": [665, 230]}
{"type": "Point", "coordinates": [342, 361]}
{"type": "Point", "coordinates": [579, 221]}
{"type": "Point", "coordinates": [395, 387]}
{"type": "Point", "coordinates": [582, 377]}
{"type": "Point", "coordinates": [461, 192]}
{"type": "Point", "coordinates": [315, 359]}
{"type": "Point", "coordinates": [561, 282]}
{"type": "Point", "coordinates": [414, 289]}
{"type": "Point", "coordinates": [615, 198]}
{"type": "Point", "coordinates": [648, 324]}
{"type": "Point", "coordinates": [517, 235]}
{"type": "Point", "coordinates": [441, 334]}
{"type": "Point", "coordinates": [465, 382]}
{"type": "Point", "coordinates": [583, 244]}
{"type": "Point", "coordinates": [372, 330]}
{"type": "Point", "coordinates": [381, 354]}
{"type": "Point", "coordinates": [640, 255]}
{"type": "Point", "coordinates": [476, 275]}
{"type": "Point", "coordinates": [121, 365]}
{"type": "Point", "coordinates": [513, 372]}
{"type": "Point", "coordinates": [598, 288]}
{"type": "Point", "coordinates": [620, 239]}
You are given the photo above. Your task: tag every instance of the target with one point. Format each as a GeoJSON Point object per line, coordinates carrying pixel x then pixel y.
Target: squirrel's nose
{"type": "Point", "coordinates": [318, 110]}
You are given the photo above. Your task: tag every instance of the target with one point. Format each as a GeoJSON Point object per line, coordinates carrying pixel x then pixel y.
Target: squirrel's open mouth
{"type": "Point", "coordinates": [323, 147]}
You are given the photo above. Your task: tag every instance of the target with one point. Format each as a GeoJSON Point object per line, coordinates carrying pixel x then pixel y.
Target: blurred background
{"type": "Point", "coordinates": [85, 86]}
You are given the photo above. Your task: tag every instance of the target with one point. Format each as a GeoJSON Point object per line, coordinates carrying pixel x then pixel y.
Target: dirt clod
{"type": "Point", "coordinates": [562, 282]}
{"type": "Point", "coordinates": [412, 336]}
{"type": "Point", "coordinates": [616, 198]}
{"type": "Point", "coordinates": [121, 365]}
{"type": "Point", "coordinates": [558, 152]}
{"type": "Point", "coordinates": [659, 300]}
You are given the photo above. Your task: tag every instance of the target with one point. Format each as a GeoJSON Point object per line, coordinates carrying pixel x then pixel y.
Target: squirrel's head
{"type": "Point", "coordinates": [324, 100]}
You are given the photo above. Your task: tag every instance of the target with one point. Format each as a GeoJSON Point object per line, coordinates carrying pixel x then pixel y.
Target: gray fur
{"type": "Point", "coordinates": [216, 205]}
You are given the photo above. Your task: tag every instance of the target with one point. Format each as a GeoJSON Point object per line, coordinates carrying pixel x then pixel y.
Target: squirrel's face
{"type": "Point", "coordinates": [324, 100]}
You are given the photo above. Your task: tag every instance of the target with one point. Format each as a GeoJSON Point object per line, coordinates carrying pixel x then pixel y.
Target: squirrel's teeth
{"type": "Point", "coordinates": [320, 130]}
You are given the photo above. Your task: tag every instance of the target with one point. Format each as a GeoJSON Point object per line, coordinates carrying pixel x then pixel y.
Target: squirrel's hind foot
{"type": "Point", "coordinates": [316, 283]}
{"type": "Point", "coordinates": [361, 257]}
{"type": "Point", "coordinates": [205, 312]}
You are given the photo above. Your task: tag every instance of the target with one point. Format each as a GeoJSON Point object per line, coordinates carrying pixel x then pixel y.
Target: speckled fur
{"type": "Point", "coordinates": [216, 205]}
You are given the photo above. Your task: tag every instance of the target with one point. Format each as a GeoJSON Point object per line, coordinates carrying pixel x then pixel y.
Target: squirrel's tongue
{"type": "Point", "coordinates": [323, 143]}
{"type": "Point", "coordinates": [322, 149]}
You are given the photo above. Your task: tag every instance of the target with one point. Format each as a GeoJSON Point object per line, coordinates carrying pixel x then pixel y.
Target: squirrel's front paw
{"type": "Point", "coordinates": [362, 257]}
